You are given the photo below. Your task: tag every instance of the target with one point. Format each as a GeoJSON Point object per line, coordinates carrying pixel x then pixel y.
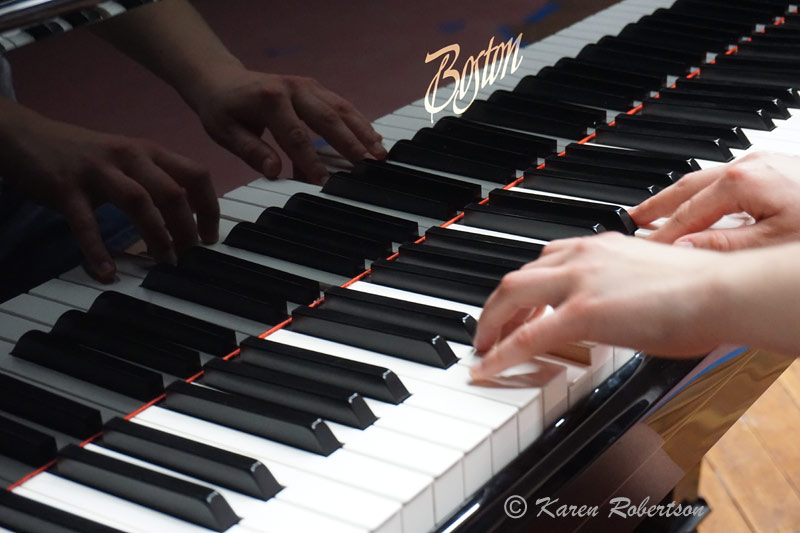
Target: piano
{"type": "Point", "coordinates": [310, 371]}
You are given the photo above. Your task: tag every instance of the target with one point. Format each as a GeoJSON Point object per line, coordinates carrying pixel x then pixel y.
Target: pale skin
{"type": "Point", "coordinates": [73, 169]}
{"type": "Point", "coordinates": [667, 300]}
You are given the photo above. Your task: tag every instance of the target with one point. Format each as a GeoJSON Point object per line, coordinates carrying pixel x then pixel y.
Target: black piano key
{"type": "Point", "coordinates": [588, 189]}
{"type": "Point", "coordinates": [107, 336]}
{"type": "Point", "coordinates": [767, 8]}
{"type": "Point", "coordinates": [22, 514]}
{"type": "Point", "coordinates": [278, 221]}
{"type": "Point", "coordinates": [691, 41]}
{"type": "Point", "coordinates": [689, 148]}
{"type": "Point", "coordinates": [705, 19]}
{"type": "Point", "coordinates": [26, 444]}
{"type": "Point", "coordinates": [712, 113]}
{"type": "Point", "coordinates": [148, 319]}
{"type": "Point", "coordinates": [522, 222]}
{"type": "Point", "coordinates": [484, 244]}
{"type": "Point", "coordinates": [48, 409]}
{"type": "Point", "coordinates": [44, 29]}
{"type": "Point", "coordinates": [790, 39]}
{"type": "Point", "coordinates": [303, 394]}
{"type": "Point", "coordinates": [494, 114]}
{"type": "Point", "coordinates": [763, 76]}
{"type": "Point", "coordinates": [531, 145]}
{"type": "Point", "coordinates": [455, 325]}
{"type": "Point", "coordinates": [252, 278]}
{"type": "Point", "coordinates": [445, 159]}
{"type": "Point", "coordinates": [607, 172]}
{"type": "Point", "coordinates": [182, 499]}
{"type": "Point", "coordinates": [635, 159]}
{"type": "Point", "coordinates": [427, 254]}
{"type": "Point", "coordinates": [721, 35]}
{"type": "Point", "coordinates": [257, 239]}
{"type": "Point", "coordinates": [186, 285]}
{"type": "Point", "coordinates": [473, 290]}
{"type": "Point", "coordinates": [217, 466]}
{"type": "Point", "coordinates": [787, 94]}
{"type": "Point", "coordinates": [595, 55]}
{"type": "Point", "coordinates": [643, 81]}
{"type": "Point", "coordinates": [662, 52]}
{"type": "Point", "coordinates": [548, 107]}
{"type": "Point", "coordinates": [345, 186]}
{"type": "Point", "coordinates": [781, 65]}
{"type": "Point", "coordinates": [773, 107]}
{"type": "Point", "coordinates": [632, 92]}
{"type": "Point", "coordinates": [611, 217]}
{"type": "Point", "coordinates": [573, 93]}
{"type": "Point", "coordinates": [730, 136]}
{"type": "Point", "coordinates": [726, 13]}
{"type": "Point", "coordinates": [81, 17]}
{"type": "Point", "coordinates": [352, 219]}
{"type": "Point", "coordinates": [369, 380]}
{"type": "Point", "coordinates": [762, 50]}
{"type": "Point", "coordinates": [256, 417]}
{"type": "Point", "coordinates": [449, 190]}
{"type": "Point", "coordinates": [61, 355]}
{"type": "Point", "coordinates": [431, 138]}
{"type": "Point", "coordinates": [373, 334]}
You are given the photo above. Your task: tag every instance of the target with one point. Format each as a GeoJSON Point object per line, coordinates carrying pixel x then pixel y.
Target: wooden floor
{"type": "Point", "coordinates": [751, 478]}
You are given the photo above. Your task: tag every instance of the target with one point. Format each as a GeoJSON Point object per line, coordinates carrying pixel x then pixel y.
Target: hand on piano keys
{"type": "Point", "coordinates": [764, 186]}
{"type": "Point", "coordinates": [622, 291]}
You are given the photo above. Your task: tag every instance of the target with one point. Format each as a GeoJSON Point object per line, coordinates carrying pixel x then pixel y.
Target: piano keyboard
{"type": "Point", "coordinates": [358, 415]}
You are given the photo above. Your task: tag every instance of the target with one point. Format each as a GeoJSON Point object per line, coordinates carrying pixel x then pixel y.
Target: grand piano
{"type": "Point", "coordinates": [310, 371]}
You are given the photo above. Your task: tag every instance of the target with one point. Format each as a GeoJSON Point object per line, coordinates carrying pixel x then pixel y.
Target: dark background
{"type": "Point", "coordinates": [369, 51]}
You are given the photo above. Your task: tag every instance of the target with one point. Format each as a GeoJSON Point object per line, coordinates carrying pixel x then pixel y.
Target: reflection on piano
{"type": "Point", "coordinates": [182, 398]}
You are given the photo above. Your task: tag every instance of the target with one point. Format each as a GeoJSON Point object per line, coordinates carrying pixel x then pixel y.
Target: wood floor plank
{"type": "Point", "coordinates": [791, 381]}
{"type": "Point", "coordinates": [775, 420]}
{"type": "Point", "coordinates": [760, 490]}
{"type": "Point", "coordinates": [725, 515]}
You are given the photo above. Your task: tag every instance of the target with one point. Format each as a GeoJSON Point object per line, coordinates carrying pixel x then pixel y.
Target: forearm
{"type": "Point", "coordinates": [760, 299]}
{"type": "Point", "coordinates": [172, 40]}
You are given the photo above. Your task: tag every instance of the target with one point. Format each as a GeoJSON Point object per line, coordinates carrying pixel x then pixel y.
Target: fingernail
{"type": "Point", "coordinates": [477, 371]}
{"type": "Point", "coordinates": [378, 149]}
{"type": "Point", "coordinates": [685, 244]}
{"type": "Point", "coordinates": [367, 155]}
{"type": "Point", "coordinates": [105, 271]}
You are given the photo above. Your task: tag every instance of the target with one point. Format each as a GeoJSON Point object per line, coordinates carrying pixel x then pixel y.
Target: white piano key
{"type": "Point", "coordinates": [13, 327]}
{"type": "Point", "coordinates": [64, 292]}
{"type": "Point", "coordinates": [527, 400]}
{"type": "Point", "coordinates": [238, 211]}
{"type": "Point", "coordinates": [470, 439]}
{"type": "Point", "coordinates": [408, 296]}
{"type": "Point", "coordinates": [444, 465]}
{"type": "Point", "coordinates": [579, 378]}
{"type": "Point", "coordinates": [33, 308]}
{"type": "Point", "coordinates": [550, 378]}
{"type": "Point", "coordinates": [408, 123]}
{"type": "Point", "coordinates": [335, 498]}
{"type": "Point", "coordinates": [481, 231]}
{"type": "Point", "coordinates": [250, 194]}
{"type": "Point", "coordinates": [392, 132]}
{"type": "Point", "coordinates": [622, 355]}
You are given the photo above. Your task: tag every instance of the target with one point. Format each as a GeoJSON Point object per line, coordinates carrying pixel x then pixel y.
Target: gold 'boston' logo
{"type": "Point", "coordinates": [473, 76]}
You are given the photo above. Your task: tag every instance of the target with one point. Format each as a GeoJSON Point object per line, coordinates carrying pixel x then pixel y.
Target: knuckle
{"type": "Point", "coordinates": [173, 196]}
{"type": "Point", "coordinates": [509, 283]}
{"type": "Point", "coordinates": [296, 137]}
{"type": "Point", "coordinates": [330, 117]}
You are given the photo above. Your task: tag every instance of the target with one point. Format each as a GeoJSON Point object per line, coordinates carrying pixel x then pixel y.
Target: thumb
{"type": "Point", "coordinates": [252, 149]}
{"type": "Point", "coordinates": [725, 240]}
